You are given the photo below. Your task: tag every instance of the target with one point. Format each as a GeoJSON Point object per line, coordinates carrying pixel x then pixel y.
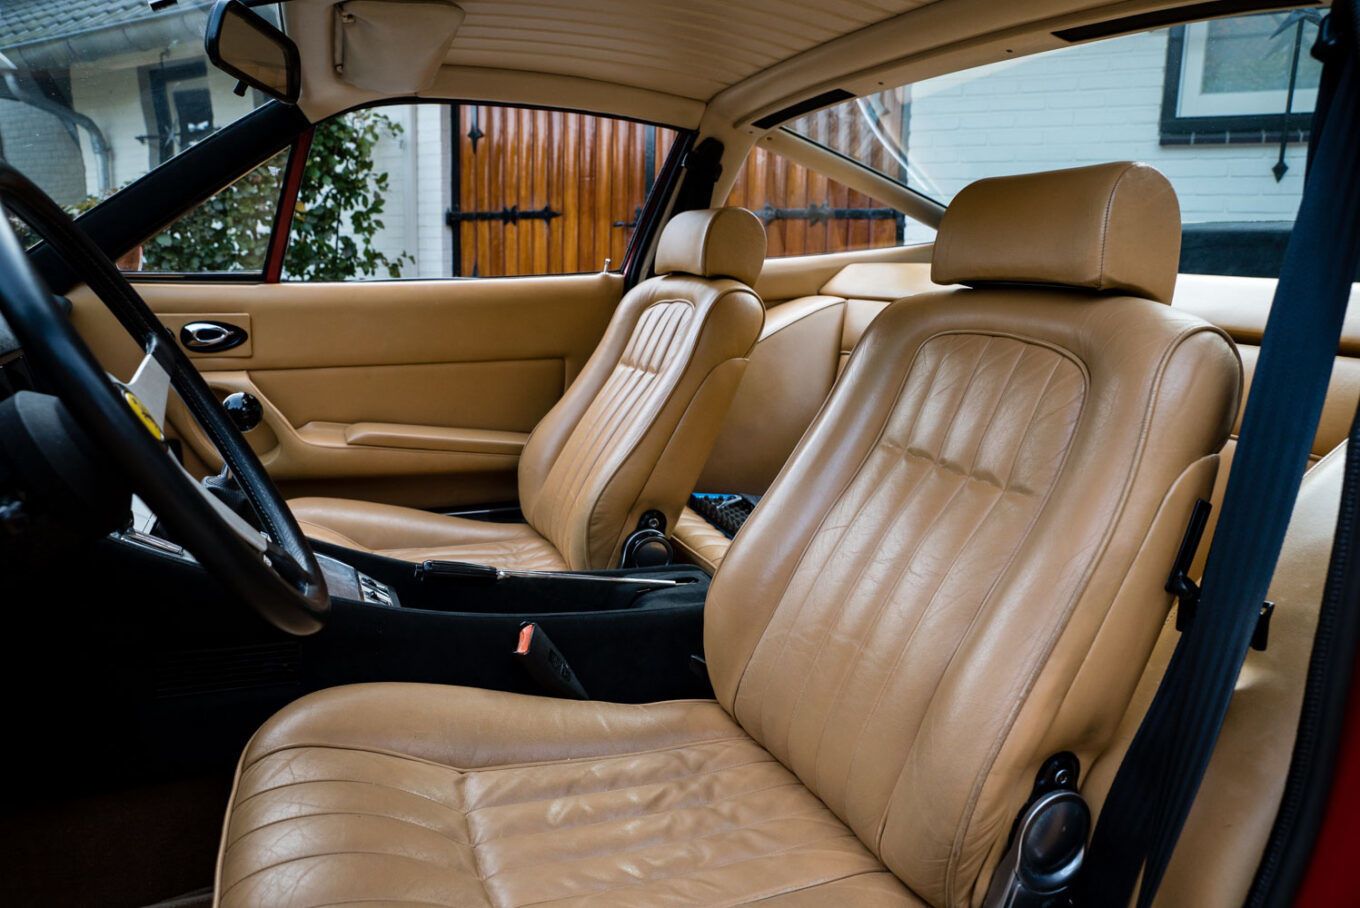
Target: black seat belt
{"type": "Point", "coordinates": [1155, 786]}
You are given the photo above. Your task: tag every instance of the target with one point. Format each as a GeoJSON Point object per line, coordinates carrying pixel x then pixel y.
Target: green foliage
{"type": "Point", "coordinates": [338, 213]}
{"type": "Point", "coordinates": [229, 232]}
{"type": "Point", "coordinates": [341, 202]}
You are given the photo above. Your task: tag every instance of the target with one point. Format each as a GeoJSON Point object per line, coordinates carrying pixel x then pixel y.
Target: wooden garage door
{"type": "Point", "coordinates": [547, 192]}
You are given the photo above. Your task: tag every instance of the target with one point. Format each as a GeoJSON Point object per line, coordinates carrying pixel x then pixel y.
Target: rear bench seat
{"type": "Point", "coordinates": [807, 340]}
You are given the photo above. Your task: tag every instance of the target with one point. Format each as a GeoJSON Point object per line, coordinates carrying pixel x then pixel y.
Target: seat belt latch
{"type": "Point", "coordinates": [1186, 590]}
{"type": "Point", "coordinates": [545, 663]}
{"type": "Point", "coordinates": [1178, 582]}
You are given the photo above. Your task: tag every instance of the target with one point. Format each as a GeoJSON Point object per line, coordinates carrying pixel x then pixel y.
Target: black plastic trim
{"type": "Point", "coordinates": [212, 35]}
{"type": "Point", "coordinates": [807, 105]}
{"type": "Point", "coordinates": [1174, 16]}
{"type": "Point", "coordinates": [155, 200]}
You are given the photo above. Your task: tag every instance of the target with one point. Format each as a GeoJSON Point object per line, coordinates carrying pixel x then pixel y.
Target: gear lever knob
{"type": "Point", "coordinates": [244, 409]}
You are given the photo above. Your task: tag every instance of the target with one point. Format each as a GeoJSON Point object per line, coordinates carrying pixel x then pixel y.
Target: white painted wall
{"type": "Point", "coordinates": [1086, 105]}
{"type": "Point", "coordinates": [417, 166]}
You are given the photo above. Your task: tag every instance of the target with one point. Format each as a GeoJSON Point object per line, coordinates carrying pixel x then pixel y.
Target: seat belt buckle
{"type": "Point", "coordinates": [545, 663]}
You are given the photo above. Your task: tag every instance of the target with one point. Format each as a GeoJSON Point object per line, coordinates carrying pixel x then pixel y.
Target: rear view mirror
{"type": "Point", "coordinates": [245, 45]}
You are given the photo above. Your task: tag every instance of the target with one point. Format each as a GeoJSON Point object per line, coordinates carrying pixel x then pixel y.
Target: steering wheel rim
{"type": "Point", "coordinates": [276, 574]}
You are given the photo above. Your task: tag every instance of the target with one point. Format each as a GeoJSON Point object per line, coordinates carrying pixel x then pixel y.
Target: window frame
{"type": "Point", "coordinates": [1226, 128]}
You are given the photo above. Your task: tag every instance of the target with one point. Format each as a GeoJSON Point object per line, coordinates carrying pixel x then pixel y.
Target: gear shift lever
{"type": "Point", "coordinates": [244, 409]}
{"type": "Point", "coordinates": [246, 413]}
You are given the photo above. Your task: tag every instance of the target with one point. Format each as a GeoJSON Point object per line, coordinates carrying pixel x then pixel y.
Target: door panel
{"type": "Point", "coordinates": [412, 392]}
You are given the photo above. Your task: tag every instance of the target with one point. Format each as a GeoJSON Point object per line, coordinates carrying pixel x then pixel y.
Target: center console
{"type": "Point", "coordinates": [628, 635]}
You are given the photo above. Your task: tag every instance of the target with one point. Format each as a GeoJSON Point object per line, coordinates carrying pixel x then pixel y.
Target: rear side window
{"type": "Point", "coordinates": [808, 213]}
{"type": "Point", "coordinates": [1221, 107]}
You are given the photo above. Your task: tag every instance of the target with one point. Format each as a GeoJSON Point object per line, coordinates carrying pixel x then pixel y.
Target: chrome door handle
{"type": "Point", "coordinates": [211, 337]}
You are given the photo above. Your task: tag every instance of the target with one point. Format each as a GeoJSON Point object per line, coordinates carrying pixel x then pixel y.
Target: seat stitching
{"type": "Point", "coordinates": [820, 883]}
{"type": "Point", "coordinates": [976, 368]}
{"type": "Point", "coordinates": [342, 813]}
{"type": "Point", "coordinates": [329, 854]}
{"type": "Point", "coordinates": [821, 523]}
{"type": "Point", "coordinates": [1101, 550]}
{"type": "Point", "coordinates": [870, 451]}
{"type": "Point", "coordinates": [596, 893]}
{"type": "Point", "coordinates": [562, 828]}
{"type": "Point", "coordinates": [497, 767]}
{"type": "Point", "coordinates": [382, 902]}
{"type": "Point", "coordinates": [731, 830]}
{"type": "Point", "coordinates": [626, 787]}
{"type": "Point", "coordinates": [1004, 490]}
{"type": "Point", "coordinates": [904, 564]}
{"type": "Point", "coordinates": [815, 585]}
{"type": "Point", "coordinates": [906, 646]}
{"type": "Point", "coordinates": [263, 791]}
{"type": "Point", "coordinates": [1001, 574]}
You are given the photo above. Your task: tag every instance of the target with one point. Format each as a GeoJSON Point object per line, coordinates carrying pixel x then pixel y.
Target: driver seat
{"type": "Point", "coordinates": [957, 574]}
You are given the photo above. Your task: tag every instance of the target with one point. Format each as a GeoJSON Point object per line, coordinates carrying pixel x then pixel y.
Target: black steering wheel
{"type": "Point", "coordinates": [274, 571]}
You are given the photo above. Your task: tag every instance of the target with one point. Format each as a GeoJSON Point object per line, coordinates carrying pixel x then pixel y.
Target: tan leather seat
{"type": "Point", "coordinates": [958, 573]}
{"type": "Point", "coordinates": [802, 350]}
{"type": "Point", "coordinates": [629, 436]}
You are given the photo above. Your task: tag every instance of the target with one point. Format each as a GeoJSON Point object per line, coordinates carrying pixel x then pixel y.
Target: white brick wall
{"type": "Point", "coordinates": [1086, 105]}
{"type": "Point", "coordinates": [417, 166]}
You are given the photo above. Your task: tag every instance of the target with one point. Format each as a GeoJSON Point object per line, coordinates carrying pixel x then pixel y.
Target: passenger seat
{"type": "Point", "coordinates": [630, 435]}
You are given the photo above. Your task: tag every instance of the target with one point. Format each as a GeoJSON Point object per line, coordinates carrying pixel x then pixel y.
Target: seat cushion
{"type": "Point", "coordinates": [420, 794]}
{"type": "Point", "coordinates": [411, 535]}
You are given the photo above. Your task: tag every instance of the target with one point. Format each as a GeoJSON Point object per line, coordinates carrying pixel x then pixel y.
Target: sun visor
{"type": "Point", "coordinates": [393, 46]}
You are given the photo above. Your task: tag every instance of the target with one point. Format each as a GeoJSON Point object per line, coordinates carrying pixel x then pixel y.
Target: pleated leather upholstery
{"type": "Point", "coordinates": [630, 434]}
{"type": "Point", "coordinates": [906, 619]}
{"type": "Point", "coordinates": [957, 574]}
{"type": "Point", "coordinates": [635, 428]}
{"type": "Point", "coordinates": [658, 805]}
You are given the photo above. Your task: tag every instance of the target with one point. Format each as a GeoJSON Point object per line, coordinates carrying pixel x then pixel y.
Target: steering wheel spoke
{"type": "Point", "coordinates": [148, 391]}
{"type": "Point", "coordinates": [275, 572]}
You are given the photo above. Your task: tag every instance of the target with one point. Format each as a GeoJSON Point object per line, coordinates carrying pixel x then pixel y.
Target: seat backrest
{"type": "Point", "coordinates": [959, 571]}
{"type": "Point", "coordinates": [802, 349]}
{"type": "Point", "coordinates": [635, 427]}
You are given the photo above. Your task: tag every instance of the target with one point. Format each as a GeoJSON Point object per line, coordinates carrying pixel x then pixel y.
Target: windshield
{"type": "Point", "coordinates": [1221, 107]}
{"type": "Point", "coordinates": [95, 93]}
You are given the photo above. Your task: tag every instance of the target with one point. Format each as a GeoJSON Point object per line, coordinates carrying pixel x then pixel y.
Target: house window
{"type": "Point", "coordinates": [181, 109]}
{"type": "Point", "coordinates": [1247, 79]}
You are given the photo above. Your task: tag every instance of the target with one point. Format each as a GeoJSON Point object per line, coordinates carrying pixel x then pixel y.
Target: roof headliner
{"type": "Point", "coordinates": [694, 51]}
{"type": "Point", "coordinates": [713, 64]}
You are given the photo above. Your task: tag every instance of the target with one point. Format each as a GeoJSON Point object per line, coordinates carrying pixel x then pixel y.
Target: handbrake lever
{"type": "Point", "coordinates": [466, 570]}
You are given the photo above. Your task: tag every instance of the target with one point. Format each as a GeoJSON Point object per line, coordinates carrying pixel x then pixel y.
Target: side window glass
{"type": "Point", "coordinates": [228, 233]}
{"type": "Point", "coordinates": [807, 213]}
{"type": "Point", "coordinates": [444, 190]}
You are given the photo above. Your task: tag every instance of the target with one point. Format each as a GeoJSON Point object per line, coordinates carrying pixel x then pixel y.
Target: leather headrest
{"type": "Point", "coordinates": [714, 242]}
{"type": "Point", "coordinates": [1106, 227]}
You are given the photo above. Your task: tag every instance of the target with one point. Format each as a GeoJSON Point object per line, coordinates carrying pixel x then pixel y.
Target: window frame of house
{"type": "Point", "coordinates": [1185, 50]}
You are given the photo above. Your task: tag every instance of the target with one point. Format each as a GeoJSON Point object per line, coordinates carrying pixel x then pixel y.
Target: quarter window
{"type": "Point", "coordinates": [808, 213]}
{"type": "Point", "coordinates": [1205, 104]}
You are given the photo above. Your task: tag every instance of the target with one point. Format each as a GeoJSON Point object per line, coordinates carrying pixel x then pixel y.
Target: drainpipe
{"type": "Point", "coordinates": [102, 153]}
